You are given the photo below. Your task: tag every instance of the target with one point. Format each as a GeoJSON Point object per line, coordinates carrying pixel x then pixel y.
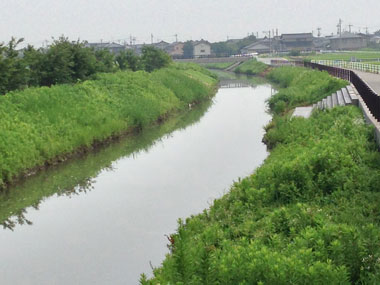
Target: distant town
{"type": "Point", "coordinates": [271, 43]}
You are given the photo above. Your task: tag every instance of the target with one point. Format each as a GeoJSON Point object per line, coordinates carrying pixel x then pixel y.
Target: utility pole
{"type": "Point", "coordinates": [319, 31]}
{"type": "Point", "coordinates": [130, 40]}
{"type": "Point", "coordinates": [366, 30]}
{"type": "Point", "coordinates": [339, 26]}
{"type": "Point", "coordinates": [176, 38]}
{"type": "Point", "coordinates": [270, 41]}
{"type": "Point", "coordinates": [151, 38]}
{"type": "Point", "coordinates": [349, 27]}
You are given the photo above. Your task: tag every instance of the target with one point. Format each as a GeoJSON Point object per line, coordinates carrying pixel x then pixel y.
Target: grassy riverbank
{"type": "Point", "coordinates": [75, 176]}
{"type": "Point", "coordinates": [252, 67]}
{"type": "Point", "coordinates": [40, 126]}
{"type": "Point", "coordinates": [217, 65]}
{"type": "Point", "coordinates": [300, 86]}
{"type": "Point", "coordinates": [308, 215]}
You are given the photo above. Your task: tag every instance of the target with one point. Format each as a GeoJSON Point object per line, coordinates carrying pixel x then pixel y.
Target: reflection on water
{"type": "Point", "coordinates": [102, 218]}
{"type": "Point", "coordinates": [77, 175]}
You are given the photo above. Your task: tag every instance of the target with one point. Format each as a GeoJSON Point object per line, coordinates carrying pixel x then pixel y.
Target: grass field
{"type": "Point", "coordinates": [346, 56]}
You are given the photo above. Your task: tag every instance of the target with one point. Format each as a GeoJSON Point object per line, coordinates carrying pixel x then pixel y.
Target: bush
{"type": "Point", "coordinates": [301, 86]}
{"type": "Point", "coordinates": [153, 58]}
{"type": "Point", "coordinates": [308, 215]}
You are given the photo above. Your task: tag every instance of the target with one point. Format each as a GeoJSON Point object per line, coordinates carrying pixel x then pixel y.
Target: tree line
{"type": "Point", "coordinates": [67, 61]}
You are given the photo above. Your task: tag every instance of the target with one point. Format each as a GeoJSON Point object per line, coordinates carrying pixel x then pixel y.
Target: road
{"type": "Point", "coordinates": [372, 79]}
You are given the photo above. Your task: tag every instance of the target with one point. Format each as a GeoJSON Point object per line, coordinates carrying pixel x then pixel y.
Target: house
{"type": "Point", "coordinates": [283, 43]}
{"type": "Point", "coordinates": [375, 39]}
{"type": "Point", "coordinates": [202, 48]}
{"type": "Point", "coordinates": [162, 45]}
{"type": "Point", "coordinates": [348, 41]}
{"type": "Point", "coordinates": [112, 47]}
{"type": "Point", "coordinates": [299, 42]}
{"type": "Point", "coordinates": [175, 49]}
{"type": "Point", "coordinates": [261, 46]}
{"type": "Point", "coordinates": [321, 43]}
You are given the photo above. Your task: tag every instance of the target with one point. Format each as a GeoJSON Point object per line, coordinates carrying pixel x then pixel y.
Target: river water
{"type": "Point", "coordinates": [102, 218]}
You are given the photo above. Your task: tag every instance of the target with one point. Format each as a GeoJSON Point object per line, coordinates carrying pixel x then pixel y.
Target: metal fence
{"type": "Point", "coordinates": [370, 97]}
{"type": "Point", "coordinates": [367, 67]}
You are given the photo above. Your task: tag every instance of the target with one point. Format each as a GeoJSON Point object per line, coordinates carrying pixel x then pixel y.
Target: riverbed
{"type": "Point", "coordinates": [102, 218]}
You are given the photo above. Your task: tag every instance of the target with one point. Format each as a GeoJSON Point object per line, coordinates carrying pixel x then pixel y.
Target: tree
{"type": "Point", "coordinates": [13, 70]}
{"type": "Point", "coordinates": [105, 61]}
{"type": "Point", "coordinates": [58, 63]}
{"type": "Point", "coordinates": [84, 61]}
{"type": "Point", "coordinates": [153, 58]}
{"type": "Point", "coordinates": [188, 50]}
{"type": "Point", "coordinates": [232, 46]}
{"type": "Point", "coordinates": [34, 61]}
{"type": "Point", "coordinates": [128, 60]}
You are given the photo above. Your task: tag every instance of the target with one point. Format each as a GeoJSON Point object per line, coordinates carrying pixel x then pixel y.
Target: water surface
{"type": "Point", "coordinates": [102, 218]}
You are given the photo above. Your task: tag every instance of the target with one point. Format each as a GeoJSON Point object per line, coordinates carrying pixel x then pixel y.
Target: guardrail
{"type": "Point", "coordinates": [367, 67]}
{"type": "Point", "coordinates": [370, 97]}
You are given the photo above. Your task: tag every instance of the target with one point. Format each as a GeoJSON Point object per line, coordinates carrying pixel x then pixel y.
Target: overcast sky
{"type": "Point", "coordinates": [213, 20]}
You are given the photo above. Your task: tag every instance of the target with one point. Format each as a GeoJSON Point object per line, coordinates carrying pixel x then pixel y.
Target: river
{"type": "Point", "coordinates": [102, 218]}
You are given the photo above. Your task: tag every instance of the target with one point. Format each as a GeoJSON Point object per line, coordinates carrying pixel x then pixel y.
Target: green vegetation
{"type": "Point", "coordinates": [68, 62]}
{"type": "Point", "coordinates": [188, 50]}
{"type": "Point", "coordinates": [346, 56]}
{"type": "Point", "coordinates": [231, 47]}
{"type": "Point", "coordinates": [217, 65]}
{"type": "Point", "coordinates": [373, 62]}
{"type": "Point", "coordinates": [76, 175]}
{"type": "Point", "coordinates": [308, 215]}
{"type": "Point", "coordinates": [250, 80]}
{"type": "Point", "coordinates": [39, 126]}
{"type": "Point", "coordinates": [301, 86]}
{"type": "Point", "coordinates": [252, 67]}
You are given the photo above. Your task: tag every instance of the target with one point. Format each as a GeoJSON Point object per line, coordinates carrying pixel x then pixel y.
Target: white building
{"type": "Point", "coordinates": [201, 49]}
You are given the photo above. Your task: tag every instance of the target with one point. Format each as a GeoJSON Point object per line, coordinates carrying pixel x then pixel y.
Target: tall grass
{"type": "Point", "coordinates": [301, 86]}
{"type": "Point", "coordinates": [308, 215]}
{"type": "Point", "coordinates": [38, 125]}
{"type": "Point", "coordinates": [252, 67]}
{"type": "Point", "coordinates": [77, 175]}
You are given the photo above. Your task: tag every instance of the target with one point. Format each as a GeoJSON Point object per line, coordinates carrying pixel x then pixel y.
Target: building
{"type": "Point", "coordinates": [321, 43]}
{"type": "Point", "coordinates": [162, 45]}
{"type": "Point", "coordinates": [112, 47]}
{"type": "Point", "coordinates": [348, 41]}
{"type": "Point", "coordinates": [375, 39]}
{"type": "Point", "coordinates": [283, 43]}
{"type": "Point", "coordinates": [175, 49]}
{"type": "Point", "coordinates": [261, 46]}
{"type": "Point", "coordinates": [298, 42]}
{"type": "Point", "coordinates": [202, 48]}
